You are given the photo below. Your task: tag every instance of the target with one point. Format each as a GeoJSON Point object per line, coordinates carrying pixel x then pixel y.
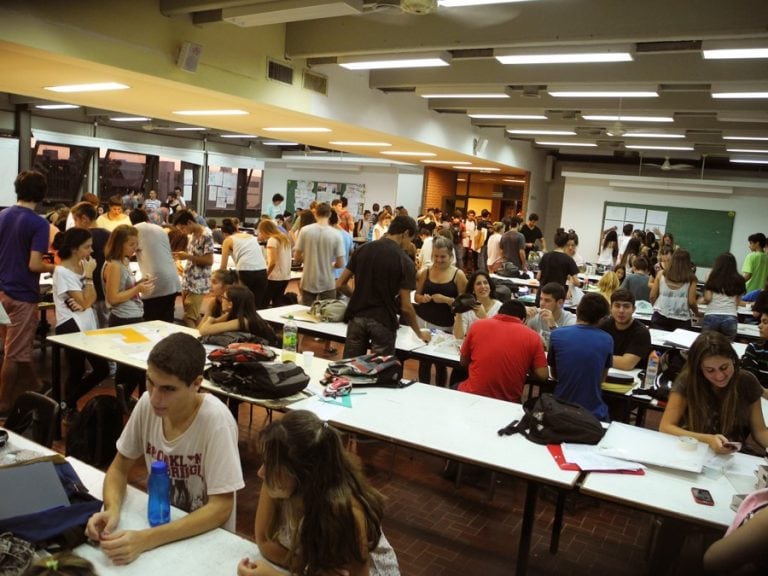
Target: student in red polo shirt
{"type": "Point", "coordinates": [500, 352]}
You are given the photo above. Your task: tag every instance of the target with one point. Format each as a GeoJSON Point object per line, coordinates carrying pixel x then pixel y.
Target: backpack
{"type": "Point", "coordinates": [231, 337]}
{"type": "Point", "coordinates": [94, 433]}
{"type": "Point", "coordinates": [241, 352]}
{"type": "Point", "coordinates": [549, 420]}
{"type": "Point", "coordinates": [367, 370]}
{"type": "Point", "coordinates": [260, 379]}
{"type": "Point", "coordinates": [63, 526]}
{"type": "Point", "coordinates": [330, 310]}
{"type": "Point", "coordinates": [671, 363]}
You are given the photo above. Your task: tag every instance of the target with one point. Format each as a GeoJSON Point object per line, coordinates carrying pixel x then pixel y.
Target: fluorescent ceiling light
{"type": "Point", "coordinates": [56, 106]}
{"type": "Point", "coordinates": [652, 135]}
{"type": "Point", "coordinates": [541, 132]}
{"type": "Point", "coordinates": [657, 147]}
{"type": "Point", "coordinates": [748, 150]}
{"type": "Point", "coordinates": [387, 61]}
{"type": "Point", "coordinates": [616, 93]}
{"type": "Point", "coordinates": [734, 49]}
{"type": "Point", "coordinates": [130, 119]}
{"type": "Point", "coordinates": [626, 118]}
{"type": "Point", "coordinates": [451, 162]}
{"type": "Point", "coordinates": [465, 95]}
{"type": "Point", "coordinates": [296, 129]}
{"type": "Point", "coordinates": [238, 135]}
{"type": "Point", "coordinates": [749, 160]}
{"type": "Point", "coordinates": [190, 129]}
{"type": "Point", "coordinates": [671, 184]}
{"type": "Point", "coordinates": [479, 168]}
{"type": "Point", "coordinates": [507, 116]}
{"type": "Point", "coordinates": [564, 55]}
{"type": "Point", "coordinates": [210, 112]}
{"type": "Point", "coordinates": [278, 143]}
{"type": "Point", "coordinates": [566, 143]}
{"type": "Point", "coordinates": [247, 14]}
{"type": "Point", "coordinates": [407, 153]}
{"type": "Point", "coordinates": [745, 116]}
{"type": "Point", "coordinates": [740, 95]}
{"type": "Point", "coordinates": [96, 87]}
{"type": "Point", "coordinates": [457, 3]}
{"type": "Point", "coordinates": [359, 143]}
{"type": "Point", "coordinates": [743, 137]}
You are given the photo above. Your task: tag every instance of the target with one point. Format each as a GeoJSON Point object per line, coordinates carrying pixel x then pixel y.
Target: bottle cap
{"type": "Point", "coordinates": [159, 467]}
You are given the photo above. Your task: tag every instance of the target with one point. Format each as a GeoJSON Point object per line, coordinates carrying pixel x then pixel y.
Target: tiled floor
{"type": "Point", "coordinates": [438, 529]}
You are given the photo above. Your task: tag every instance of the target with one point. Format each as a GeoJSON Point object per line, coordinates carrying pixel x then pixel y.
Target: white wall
{"type": "Point", "coordinates": [409, 192]}
{"type": "Point", "coordinates": [380, 183]}
{"type": "Point", "coordinates": [584, 198]}
{"type": "Point", "coordinates": [9, 164]}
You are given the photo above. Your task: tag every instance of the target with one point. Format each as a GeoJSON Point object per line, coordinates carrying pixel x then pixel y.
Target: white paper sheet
{"type": "Point", "coordinates": [589, 458]}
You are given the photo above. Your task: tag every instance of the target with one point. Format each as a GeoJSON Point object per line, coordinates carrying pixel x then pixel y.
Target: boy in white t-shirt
{"type": "Point", "coordinates": [194, 433]}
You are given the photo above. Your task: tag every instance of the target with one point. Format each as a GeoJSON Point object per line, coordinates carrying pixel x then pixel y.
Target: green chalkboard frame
{"type": "Point", "coordinates": [704, 233]}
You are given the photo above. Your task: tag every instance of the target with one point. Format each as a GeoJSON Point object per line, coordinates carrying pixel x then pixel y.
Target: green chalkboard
{"type": "Point", "coordinates": [704, 233]}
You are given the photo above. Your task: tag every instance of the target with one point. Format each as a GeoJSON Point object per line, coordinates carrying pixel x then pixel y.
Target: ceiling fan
{"type": "Point", "coordinates": [666, 166]}
{"type": "Point", "coordinates": [396, 11]}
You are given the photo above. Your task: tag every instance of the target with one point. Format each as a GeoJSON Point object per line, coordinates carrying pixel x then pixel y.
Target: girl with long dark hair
{"type": "Point", "coordinates": [722, 295]}
{"type": "Point", "coordinates": [239, 313]}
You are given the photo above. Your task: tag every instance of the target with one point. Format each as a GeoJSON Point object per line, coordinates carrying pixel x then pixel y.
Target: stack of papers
{"type": "Point", "coordinates": [589, 459]}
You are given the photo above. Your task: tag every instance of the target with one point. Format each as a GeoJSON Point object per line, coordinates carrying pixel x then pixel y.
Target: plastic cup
{"type": "Point", "coordinates": [307, 357]}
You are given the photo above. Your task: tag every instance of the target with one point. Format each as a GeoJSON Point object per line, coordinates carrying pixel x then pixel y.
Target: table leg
{"type": "Point", "coordinates": [529, 514]}
{"type": "Point", "coordinates": [557, 523]}
{"type": "Point", "coordinates": [56, 383]}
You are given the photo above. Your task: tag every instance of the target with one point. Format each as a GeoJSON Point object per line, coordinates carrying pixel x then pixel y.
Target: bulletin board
{"type": "Point", "coordinates": [704, 233]}
{"type": "Point", "coordinates": [301, 193]}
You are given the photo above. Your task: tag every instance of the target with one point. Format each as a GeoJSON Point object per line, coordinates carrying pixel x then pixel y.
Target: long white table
{"type": "Point", "coordinates": [337, 331]}
{"type": "Point", "coordinates": [213, 553]}
{"type": "Point", "coordinates": [455, 425]}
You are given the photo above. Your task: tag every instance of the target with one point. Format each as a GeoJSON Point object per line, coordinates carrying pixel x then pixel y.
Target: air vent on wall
{"type": "Point", "coordinates": [315, 82]}
{"type": "Point", "coordinates": [279, 72]}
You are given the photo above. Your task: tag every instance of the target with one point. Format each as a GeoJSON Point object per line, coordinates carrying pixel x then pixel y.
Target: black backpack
{"type": "Point", "coordinates": [549, 420]}
{"type": "Point", "coordinates": [368, 370]}
{"type": "Point", "coordinates": [260, 379]}
{"type": "Point", "coordinates": [93, 435]}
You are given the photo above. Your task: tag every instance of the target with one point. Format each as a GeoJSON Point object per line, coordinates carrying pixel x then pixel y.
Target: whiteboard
{"type": "Point", "coordinates": [9, 168]}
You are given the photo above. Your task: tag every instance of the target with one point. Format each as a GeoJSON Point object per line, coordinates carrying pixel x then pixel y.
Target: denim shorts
{"type": "Point", "coordinates": [723, 323]}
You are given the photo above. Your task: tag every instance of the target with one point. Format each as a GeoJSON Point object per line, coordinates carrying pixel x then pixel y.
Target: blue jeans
{"type": "Point", "coordinates": [723, 323]}
{"type": "Point", "coordinates": [364, 333]}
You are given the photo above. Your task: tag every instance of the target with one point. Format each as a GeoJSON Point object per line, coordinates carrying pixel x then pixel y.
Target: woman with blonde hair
{"type": "Point", "coordinates": [278, 261]}
{"type": "Point", "coordinates": [608, 284]}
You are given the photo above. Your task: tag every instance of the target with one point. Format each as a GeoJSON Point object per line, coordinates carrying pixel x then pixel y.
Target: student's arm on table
{"type": "Point", "coordinates": [103, 523]}
{"type": "Point", "coordinates": [673, 413]}
{"type": "Point", "coordinates": [407, 311]}
{"type": "Point", "coordinates": [124, 546]}
{"type": "Point", "coordinates": [264, 530]}
{"type": "Point", "coordinates": [744, 545]}
{"type": "Point", "coordinates": [626, 361]}
{"type": "Point", "coordinates": [210, 325]}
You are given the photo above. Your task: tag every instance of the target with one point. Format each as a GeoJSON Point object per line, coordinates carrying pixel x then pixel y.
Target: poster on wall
{"type": "Point", "coordinates": [301, 193]}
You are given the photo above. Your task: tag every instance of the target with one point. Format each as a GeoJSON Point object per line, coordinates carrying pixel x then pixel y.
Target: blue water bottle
{"type": "Point", "coordinates": [159, 488]}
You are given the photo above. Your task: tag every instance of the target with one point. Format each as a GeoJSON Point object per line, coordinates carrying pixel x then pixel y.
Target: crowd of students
{"type": "Point", "coordinates": [310, 483]}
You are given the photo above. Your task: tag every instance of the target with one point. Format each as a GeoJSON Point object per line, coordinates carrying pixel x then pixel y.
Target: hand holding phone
{"type": "Point", "coordinates": [735, 446]}
{"type": "Point", "coordinates": [702, 496]}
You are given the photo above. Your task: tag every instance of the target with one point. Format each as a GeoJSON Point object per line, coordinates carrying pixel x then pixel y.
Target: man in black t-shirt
{"type": "Point", "coordinates": [532, 233]}
{"type": "Point", "coordinates": [382, 271]}
{"type": "Point", "coordinates": [631, 339]}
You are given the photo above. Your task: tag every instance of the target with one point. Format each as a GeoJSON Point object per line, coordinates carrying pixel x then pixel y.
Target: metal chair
{"type": "Point", "coordinates": [34, 416]}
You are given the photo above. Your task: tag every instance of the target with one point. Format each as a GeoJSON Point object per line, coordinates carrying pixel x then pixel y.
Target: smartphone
{"type": "Point", "coordinates": [405, 382]}
{"type": "Point", "coordinates": [735, 446]}
{"type": "Point", "coordinates": [702, 496]}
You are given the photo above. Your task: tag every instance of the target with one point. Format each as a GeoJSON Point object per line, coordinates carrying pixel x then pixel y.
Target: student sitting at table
{"type": "Point", "coordinates": [220, 281]}
{"type": "Point", "coordinates": [637, 280]}
{"type": "Point", "coordinates": [673, 293]}
{"type": "Point", "coordinates": [317, 513]}
{"type": "Point", "coordinates": [238, 314]}
{"type": "Point", "coordinates": [481, 286]}
{"type": "Point", "coordinates": [722, 295]}
{"type": "Point", "coordinates": [500, 352]}
{"type": "Point", "coordinates": [713, 399]}
{"type": "Point", "coordinates": [755, 359]}
{"type": "Point", "coordinates": [550, 314]}
{"type": "Point", "coordinates": [580, 356]}
{"type": "Point", "coordinates": [194, 433]}
{"type": "Point", "coordinates": [631, 339]}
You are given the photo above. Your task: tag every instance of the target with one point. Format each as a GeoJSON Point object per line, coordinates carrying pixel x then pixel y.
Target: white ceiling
{"type": "Point", "coordinates": [665, 36]}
